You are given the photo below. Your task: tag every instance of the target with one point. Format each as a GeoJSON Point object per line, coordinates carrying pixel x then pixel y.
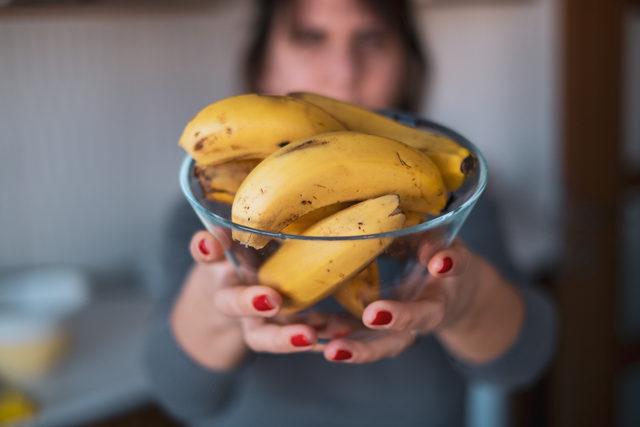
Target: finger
{"type": "Point", "coordinates": [338, 326]}
{"type": "Point", "coordinates": [271, 338]}
{"type": "Point", "coordinates": [327, 326]}
{"type": "Point", "coordinates": [428, 244]}
{"type": "Point", "coordinates": [423, 315]}
{"type": "Point", "coordinates": [240, 301]}
{"type": "Point", "coordinates": [449, 262]}
{"type": "Point", "coordinates": [205, 248]}
{"type": "Point", "coordinates": [379, 346]}
{"type": "Point", "coordinates": [315, 319]}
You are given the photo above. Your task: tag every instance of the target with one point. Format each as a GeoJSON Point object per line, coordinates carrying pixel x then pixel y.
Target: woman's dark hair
{"type": "Point", "coordinates": [394, 13]}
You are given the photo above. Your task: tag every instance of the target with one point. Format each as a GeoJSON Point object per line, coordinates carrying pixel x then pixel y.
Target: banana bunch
{"type": "Point", "coordinates": [229, 137]}
{"type": "Point", "coordinates": [310, 165]}
{"type": "Point", "coordinates": [329, 168]}
{"type": "Point", "coordinates": [453, 161]}
{"type": "Point", "coordinates": [360, 291]}
{"type": "Point", "coordinates": [306, 271]}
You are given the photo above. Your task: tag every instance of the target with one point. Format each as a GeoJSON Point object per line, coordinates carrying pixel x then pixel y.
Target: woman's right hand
{"type": "Point", "coordinates": [216, 319]}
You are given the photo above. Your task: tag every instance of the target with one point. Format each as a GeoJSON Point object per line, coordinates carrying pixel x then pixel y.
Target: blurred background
{"type": "Point", "coordinates": [94, 95]}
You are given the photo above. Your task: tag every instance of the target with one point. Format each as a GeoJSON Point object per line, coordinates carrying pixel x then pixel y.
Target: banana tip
{"type": "Point", "coordinates": [469, 164]}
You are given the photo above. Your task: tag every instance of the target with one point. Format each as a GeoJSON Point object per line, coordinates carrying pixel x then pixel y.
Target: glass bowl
{"type": "Point", "coordinates": [398, 273]}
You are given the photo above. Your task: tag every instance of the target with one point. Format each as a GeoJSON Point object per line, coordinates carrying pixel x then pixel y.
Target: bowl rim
{"type": "Point", "coordinates": [403, 117]}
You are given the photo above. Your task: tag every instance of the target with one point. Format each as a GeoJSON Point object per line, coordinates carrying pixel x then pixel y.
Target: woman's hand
{"type": "Point", "coordinates": [216, 318]}
{"type": "Point", "coordinates": [465, 302]}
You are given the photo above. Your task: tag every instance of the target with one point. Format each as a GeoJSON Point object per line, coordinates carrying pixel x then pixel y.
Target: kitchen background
{"type": "Point", "coordinates": [94, 95]}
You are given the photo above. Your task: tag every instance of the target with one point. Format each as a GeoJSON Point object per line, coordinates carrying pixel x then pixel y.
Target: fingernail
{"type": "Point", "coordinates": [300, 341]}
{"type": "Point", "coordinates": [202, 246]}
{"type": "Point", "coordinates": [262, 303]}
{"type": "Point", "coordinates": [342, 355]}
{"type": "Point", "coordinates": [447, 263]}
{"type": "Point", "coordinates": [383, 317]}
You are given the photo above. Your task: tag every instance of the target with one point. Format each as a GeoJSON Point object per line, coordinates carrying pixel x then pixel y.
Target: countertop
{"type": "Point", "coordinates": [102, 374]}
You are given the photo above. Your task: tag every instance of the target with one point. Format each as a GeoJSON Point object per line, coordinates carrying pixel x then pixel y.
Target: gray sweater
{"type": "Point", "coordinates": [424, 386]}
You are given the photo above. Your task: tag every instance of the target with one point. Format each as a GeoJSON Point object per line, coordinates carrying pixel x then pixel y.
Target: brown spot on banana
{"type": "Point", "coordinates": [221, 190]}
{"type": "Point", "coordinates": [247, 156]}
{"type": "Point", "coordinates": [396, 211]}
{"type": "Point", "coordinates": [450, 201]}
{"type": "Point", "coordinates": [402, 162]}
{"type": "Point", "coordinates": [307, 144]}
{"type": "Point", "coordinates": [469, 164]}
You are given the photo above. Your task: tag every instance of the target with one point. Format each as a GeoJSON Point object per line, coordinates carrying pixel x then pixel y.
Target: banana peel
{"type": "Point", "coordinates": [305, 271]}
{"type": "Point", "coordinates": [453, 160]}
{"type": "Point", "coordinates": [251, 126]}
{"type": "Point", "coordinates": [220, 182]}
{"type": "Point", "coordinates": [304, 222]}
{"type": "Point", "coordinates": [331, 168]}
{"type": "Point", "coordinates": [363, 289]}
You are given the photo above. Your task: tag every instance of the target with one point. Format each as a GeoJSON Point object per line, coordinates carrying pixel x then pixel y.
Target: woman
{"type": "Point", "coordinates": [215, 358]}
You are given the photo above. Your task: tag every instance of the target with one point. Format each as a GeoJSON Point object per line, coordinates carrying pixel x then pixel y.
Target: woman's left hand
{"type": "Point", "coordinates": [473, 311]}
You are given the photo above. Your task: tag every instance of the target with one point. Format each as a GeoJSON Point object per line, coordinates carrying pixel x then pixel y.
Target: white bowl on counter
{"type": "Point", "coordinates": [35, 306]}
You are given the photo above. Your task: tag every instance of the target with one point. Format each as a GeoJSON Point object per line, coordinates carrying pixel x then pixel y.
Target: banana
{"type": "Point", "coordinates": [307, 220]}
{"type": "Point", "coordinates": [220, 182]}
{"type": "Point", "coordinates": [329, 168]}
{"type": "Point", "coordinates": [360, 291]}
{"type": "Point", "coordinates": [251, 127]}
{"type": "Point", "coordinates": [413, 218]}
{"type": "Point", "coordinates": [454, 161]}
{"type": "Point", "coordinates": [305, 271]}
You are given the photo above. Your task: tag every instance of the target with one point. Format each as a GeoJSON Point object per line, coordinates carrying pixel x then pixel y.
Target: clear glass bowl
{"type": "Point", "coordinates": [401, 276]}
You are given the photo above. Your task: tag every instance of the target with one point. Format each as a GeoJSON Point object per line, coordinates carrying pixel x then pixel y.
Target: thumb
{"type": "Point", "coordinates": [450, 262]}
{"type": "Point", "coordinates": [206, 248]}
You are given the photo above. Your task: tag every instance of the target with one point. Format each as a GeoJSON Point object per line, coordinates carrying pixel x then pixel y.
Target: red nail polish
{"type": "Point", "coordinates": [342, 355]}
{"type": "Point", "coordinates": [383, 317]}
{"type": "Point", "coordinates": [447, 263]}
{"type": "Point", "coordinates": [262, 303]}
{"type": "Point", "coordinates": [202, 246]}
{"type": "Point", "coordinates": [299, 341]}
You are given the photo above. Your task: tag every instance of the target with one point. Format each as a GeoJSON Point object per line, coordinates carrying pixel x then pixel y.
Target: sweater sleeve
{"type": "Point", "coordinates": [535, 344]}
{"type": "Point", "coordinates": [184, 388]}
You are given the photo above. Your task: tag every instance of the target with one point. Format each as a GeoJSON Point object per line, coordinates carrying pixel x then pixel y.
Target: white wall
{"type": "Point", "coordinates": [91, 106]}
{"type": "Point", "coordinates": [495, 81]}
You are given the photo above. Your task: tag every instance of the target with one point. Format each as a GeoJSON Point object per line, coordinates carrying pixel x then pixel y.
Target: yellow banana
{"type": "Point", "coordinates": [363, 288]}
{"type": "Point", "coordinates": [360, 291]}
{"type": "Point", "coordinates": [413, 218]}
{"type": "Point", "coordinates": [251, 127]}
{"type": "Point", "coordinates": [331, 168]}
{"type": "Point", "coordinates": [307, 220]}
{"type": "Point", "coordinates": [305, 271]}
{"type": "Point", "coordinates": [220, 182]}
{"type": "Point", "coordinates": [453, 160]}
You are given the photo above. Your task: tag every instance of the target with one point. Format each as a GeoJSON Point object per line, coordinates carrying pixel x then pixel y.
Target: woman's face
{"type": "Point", "coordinates": [336, 48]}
